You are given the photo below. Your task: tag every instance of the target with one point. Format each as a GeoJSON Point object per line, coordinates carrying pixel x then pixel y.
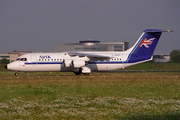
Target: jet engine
{"type": "Point", "coordinates": [74, 63]}
{"type": "Point", "coordinates": [78, 63]}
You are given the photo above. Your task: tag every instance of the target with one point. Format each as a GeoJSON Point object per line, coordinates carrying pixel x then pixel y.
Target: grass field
{"type": "Point", "coordinates": [98, 96]}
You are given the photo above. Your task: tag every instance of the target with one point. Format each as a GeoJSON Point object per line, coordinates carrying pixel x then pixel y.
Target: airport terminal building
{"type": "Point", "coordinates": [87, 45]}
{"type": "Point", "coordinates": [4, 56]}
{"type": "Point", "coordinates": [92, 45]}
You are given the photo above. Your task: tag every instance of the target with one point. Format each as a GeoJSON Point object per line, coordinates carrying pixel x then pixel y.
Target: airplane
{"type": "Point", "coordinates": [86, 62]}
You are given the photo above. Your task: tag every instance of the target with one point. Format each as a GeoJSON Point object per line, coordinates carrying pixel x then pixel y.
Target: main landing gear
{"type": "Point", "coordinates": [79, 73]}
{"type": "Point", "coordinates": [83, 70]}
{"type": "Point", "coordinates": [86, 74]}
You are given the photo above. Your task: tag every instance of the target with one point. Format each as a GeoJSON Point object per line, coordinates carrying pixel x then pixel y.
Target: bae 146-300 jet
{"type": "Point", "coordinates": [86, 62]}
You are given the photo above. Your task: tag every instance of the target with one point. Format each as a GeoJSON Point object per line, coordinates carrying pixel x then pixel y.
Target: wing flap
{"type": "Point", "coordinates": [92, 57]}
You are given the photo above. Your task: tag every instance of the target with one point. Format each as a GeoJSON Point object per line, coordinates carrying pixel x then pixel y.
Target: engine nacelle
{"type": "Point", "coordinates": [67, 63]}
{"type": "Point", "coordinates": [78, 63]}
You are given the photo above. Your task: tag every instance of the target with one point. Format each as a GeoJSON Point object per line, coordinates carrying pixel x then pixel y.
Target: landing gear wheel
{"type": "Point", "coordinates": [77, 73]}
{"type": "Point", "coordinates": [86, 74]}
{"type": "Point", "coordinates": [16, 74]}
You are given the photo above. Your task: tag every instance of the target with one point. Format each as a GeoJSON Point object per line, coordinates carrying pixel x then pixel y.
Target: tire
{"type": "Point", "coordinates": [77, 73]}
{"type": "Point", "coordinates": [16, 74]}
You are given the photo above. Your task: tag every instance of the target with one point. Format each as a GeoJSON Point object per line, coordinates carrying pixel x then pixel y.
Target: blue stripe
{"type": "Point", "coordinates": [40, 63]}
{"type": "Point", "coordinates": [117, 62]}
{"type": "Point", "coordinates": [110, 62]}
{"type": "Point", "coordinates": [89, 62]}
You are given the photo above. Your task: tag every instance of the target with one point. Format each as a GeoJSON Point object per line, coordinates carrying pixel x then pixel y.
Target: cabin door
{"type": "Point", "coordinates": [33, 60]}
{"type": "Point", "coordinates": [124, 57]}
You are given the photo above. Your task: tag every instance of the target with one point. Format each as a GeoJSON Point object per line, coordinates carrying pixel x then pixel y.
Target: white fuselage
{"type": "Point", "coordinates": [85, 62]}
{"type": "Point", "coordinates": [54, 62]}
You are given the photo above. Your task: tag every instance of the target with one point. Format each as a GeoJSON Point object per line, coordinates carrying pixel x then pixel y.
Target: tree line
{"type": "Point", "coordinates": [175, 56]}
{"type": "Point", "coordinates": [4, 61]}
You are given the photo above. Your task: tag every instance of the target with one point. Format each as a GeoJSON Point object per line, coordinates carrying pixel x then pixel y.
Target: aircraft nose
{"type": "Point", "coordinates": [12, 66]}
{"type": "Point", "coordinates": [5, 67]}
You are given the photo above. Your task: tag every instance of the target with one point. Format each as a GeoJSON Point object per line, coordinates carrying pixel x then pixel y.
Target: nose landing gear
{"type": "Point", "coordinates": [16, 74]}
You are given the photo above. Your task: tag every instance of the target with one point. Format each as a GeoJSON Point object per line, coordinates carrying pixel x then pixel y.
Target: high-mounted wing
{"type": "Point", "coordinates": [92, 57]}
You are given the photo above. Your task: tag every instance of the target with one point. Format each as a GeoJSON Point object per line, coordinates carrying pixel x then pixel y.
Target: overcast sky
{"type": "Point", "coordinates": [39, 25]}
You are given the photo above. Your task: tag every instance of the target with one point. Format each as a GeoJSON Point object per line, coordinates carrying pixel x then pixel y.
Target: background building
{"type": "Point", "coordinates": [88, 45]}
{"type": "Point", "coordinates": [92, 45]}
{"type": "Point", "coordinates": [4, 56]}
{"type": "Point", "coordinates": [161, 58]}
{"type": "Point", "coordinates": [15, 54]}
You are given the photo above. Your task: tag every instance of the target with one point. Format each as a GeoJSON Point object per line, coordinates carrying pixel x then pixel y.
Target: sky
{"type": "Point", "coordinates": [39, 25]}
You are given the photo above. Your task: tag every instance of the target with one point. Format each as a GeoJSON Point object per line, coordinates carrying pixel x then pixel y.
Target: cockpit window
{"type": "Point", "coordinates": [21, 59]}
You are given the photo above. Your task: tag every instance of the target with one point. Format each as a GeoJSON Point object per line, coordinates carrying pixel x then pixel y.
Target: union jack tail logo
{"type": "Point", "coordinates": [146, 42]}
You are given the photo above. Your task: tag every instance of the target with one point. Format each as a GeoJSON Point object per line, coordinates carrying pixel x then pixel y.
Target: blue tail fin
{"type": "Point", "coordinates": [145, 46]}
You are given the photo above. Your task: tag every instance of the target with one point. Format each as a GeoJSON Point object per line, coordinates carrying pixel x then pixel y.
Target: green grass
{"type": "Point", "coordinates": [45, 95]}
{"type": "Point", "coordinates": [150, 66]}
{"type": "Point", "coordinates": [99, 96]}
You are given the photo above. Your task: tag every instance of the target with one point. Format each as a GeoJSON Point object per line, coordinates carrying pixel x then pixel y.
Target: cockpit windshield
{"type": "Point", "coordinates": [21, 59]}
